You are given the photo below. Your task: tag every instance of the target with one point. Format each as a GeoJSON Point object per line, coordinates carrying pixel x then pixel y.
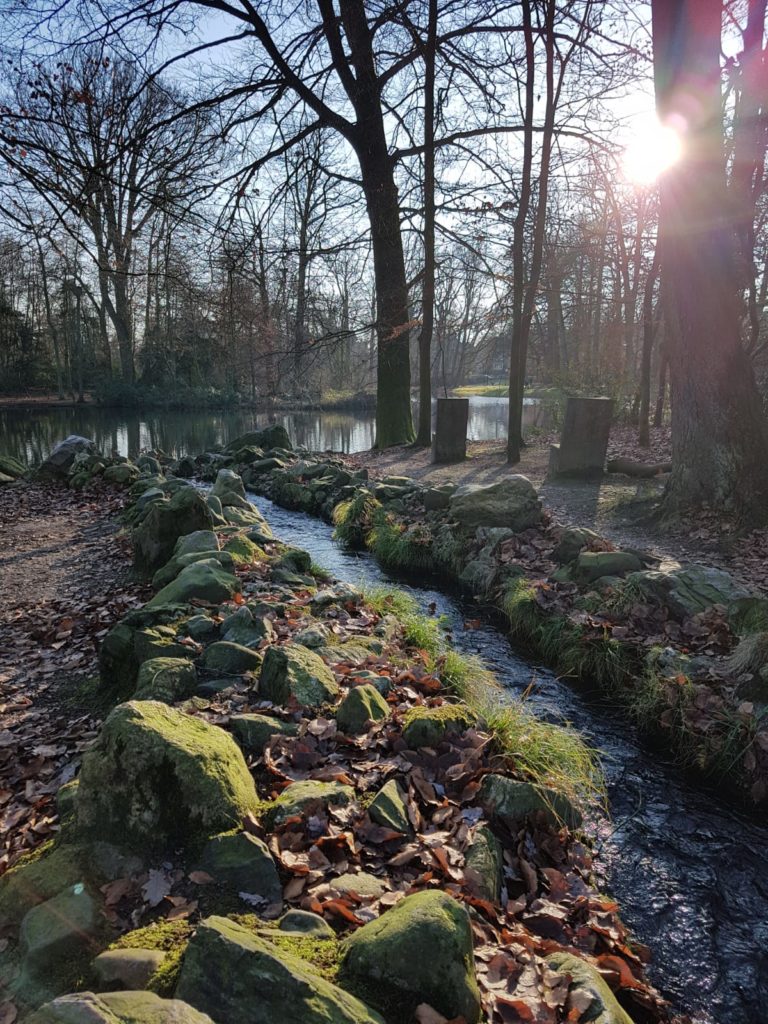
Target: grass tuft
{"type": "Point", "coordinates": [354, 519]}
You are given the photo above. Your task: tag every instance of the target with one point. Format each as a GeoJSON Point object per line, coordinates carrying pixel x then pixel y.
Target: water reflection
{"type": "Point", "coordinates": [30, 433]}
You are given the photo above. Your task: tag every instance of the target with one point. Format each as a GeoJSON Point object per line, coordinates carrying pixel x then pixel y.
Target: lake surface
{"type": "Point", "coordinates": [30, 433]}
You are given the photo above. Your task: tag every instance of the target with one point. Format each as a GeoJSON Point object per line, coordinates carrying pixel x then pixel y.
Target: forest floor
{"type": "Point", "coordinates": [65, 581]}
{"type": "Point", "coordinates": [621, 508]}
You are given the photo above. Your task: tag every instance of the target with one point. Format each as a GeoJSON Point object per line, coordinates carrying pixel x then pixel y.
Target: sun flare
{"type": "Point", "coordinates": [653, 149]}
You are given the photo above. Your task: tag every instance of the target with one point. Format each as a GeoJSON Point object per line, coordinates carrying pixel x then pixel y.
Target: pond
{"type": "Point", "coordinates": [29, 433]}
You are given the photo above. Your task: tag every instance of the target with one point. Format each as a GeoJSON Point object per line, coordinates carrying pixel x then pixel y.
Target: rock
{"type": "Point", "coordinates": [591, 565]}
{"type": "Point", "coordinates": [230, 499]}
{"type": "Point", "coordinates": [587, 979]}
{"type": "Point", "coordinates": [205, 581]}
{"type": "Point", "coordinates": [186, 467]}
{"type": "Point", "coordinates": [166, 679]}
{"type": "Point", "coordinates": [242, 627]}
{"type": "Point", "coordinates": [37, 878]}
{"type": "Point", "coordinates": [259, 466]}
{"type": "Point", "coordinates": [420, 951]}
{"type": "Point", "coordinates": [253, 731]}
{"type": "Point", "coordinates": [242, 862]}
{"type": "Point", "coordinates": [155, 537]}
{"type": "Point", "coordinates": [294, 559]}
{"type": "Point", "coordinates": [302, 922]}
{"type": "Point", "coordinates": [226, 965]}
{"type": "Point", "coordinates": [117, 1008]}
{"type": "Point", "coordinates": [243, 550]}
{"type": "Point", "coordinates": [126, 968]}
{"type": "Point", "coordinates": [388, 808]}
{"type": "Point", "coordinates": [66, 798]}
{"type": "Point", "coordinates": [312, 636]}
{"type": "Point", "coordinates": [149, 464]}
{"type": "Point", "coordinates": [292, 671]}
{"type": "Point", "coordinates": [121, 475]}
{"type": "Point", "coordinates": [62, 456]}
{"type": "Point", "coordinates": [274, 436]}
{"type": "Point", "coordinates": [427, 727]}
{"type": "Point", "coordinates": [484, 864]}
{"type": "Point", "coordinates": [438, 498]}
{"type": "Point", "coordinates": [11, 467]}
{"type": "Point", "coordinates": [361, 705]}
{"type": "Point", "coordinates": [300, 797]}
{"type": "Point", "coordinates": [511, 502]}
{"type": "Point", "coordinates": [360, 883]}
{"type": "Point", "coordinates": [512, 801]}
{"type": "Point", "coordinates": [118, 664]}
{"type": "Point", "coordinates": [57, 928]}
{"type": "Point", "coordinates": [159, 642]}
{"type": "Point", "coordinates": [340, 593]}
{"type": "Point", "coordinates": [748, 615]}
{"type": "Point", "coordinates": [168, 573]}
{"type": "Point", "coordinates": [157, 778]}
{"type": "Point", "coordinates": [572, 541]}
{"type": "Point", "coordinates": [688, 591]}
{"type": "Point", "coordinates": [193, 543]}
{"type": "Point", "coordinates": [200, 627]}
{"type": "Point", "coordinates": [226, 658]}
{"type": "Point", "coordinates": [227, 481]}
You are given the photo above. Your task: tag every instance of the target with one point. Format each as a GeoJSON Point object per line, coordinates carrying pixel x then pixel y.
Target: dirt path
{"type": "Point", "coordinates": [617, 507]}
{"type": "Point", "coordinates": [64, 580]}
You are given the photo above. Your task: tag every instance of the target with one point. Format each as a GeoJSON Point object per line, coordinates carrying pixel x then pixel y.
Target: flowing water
{"type": "Point", "coordinates": [29, 433]}
{"type": "Point", "coordinates": [689, 873]}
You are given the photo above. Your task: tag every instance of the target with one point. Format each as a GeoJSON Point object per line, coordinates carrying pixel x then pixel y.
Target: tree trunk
{"type": "Point", "coordinates": [649, 333]}
{"type": "Point", "coordinates": [661, 395]}
{"type": "Point", "coordinates": [719, 433]}
{"type": "Point", "coordinates": [424, 437]}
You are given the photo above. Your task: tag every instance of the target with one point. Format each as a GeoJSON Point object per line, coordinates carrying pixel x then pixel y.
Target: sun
{"type": "Point", "coordinates": [652, 150]}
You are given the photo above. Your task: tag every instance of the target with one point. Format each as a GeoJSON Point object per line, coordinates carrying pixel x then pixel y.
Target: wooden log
{"type": "Point", "coordinates": [639, 469]}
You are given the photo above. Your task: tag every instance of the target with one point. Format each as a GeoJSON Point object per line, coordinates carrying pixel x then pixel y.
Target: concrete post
{"type": "Point", "coordinates": [449, 442]}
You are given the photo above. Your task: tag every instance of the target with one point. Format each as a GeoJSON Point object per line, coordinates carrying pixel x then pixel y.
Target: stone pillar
{"type": "Point", "coordinates": [449, 443]}
{"type": "Point", "coordinates": [584, 438]}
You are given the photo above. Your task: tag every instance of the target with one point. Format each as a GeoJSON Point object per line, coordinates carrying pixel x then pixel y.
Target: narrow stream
{"type": "Point", "coordinates": [691, 875]}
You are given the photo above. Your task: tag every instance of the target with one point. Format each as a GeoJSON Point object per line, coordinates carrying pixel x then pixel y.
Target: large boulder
{"type": "Point", "coordinates": [233, 974]}
{"type": "Point", "coordinates": [117, 1008]}
{"type": "Point", "coordinates": [511, 502]}
{"type": "Point", "coordinates": [228, 482]}
{"type": "Point", "coordinates": [690, 590]}
{"type": "Point", "coordinates": [62, 456]}
{"type": "Point", "coordinates": [226, 658]}
{"type": "Point", "coordinates": [206, 580]}
{"type": "Point", "coordinates": [157, 779]}
{"type": "Point", "coordinates": [155, 537]}
{"type": "Point", "coordinates": [274, 436]}
{"type": "Point", "coordinates": [292, 671]}
{"type": "Point", "coordinates": [420, 951]}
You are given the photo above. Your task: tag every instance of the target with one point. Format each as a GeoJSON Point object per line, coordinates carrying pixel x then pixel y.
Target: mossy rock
{"type": "Point", "coordinates": [302, 922]}
{"type": "Point", "coordinates": [226, 658]}
{"type": "Point", "coordinates": [513, 801]}
{"type": "Point", "coordinates": [121, 475]}
{"type": "Point", "coordinates": [166, 679]}
{"type": "Point", "coordinates": [235, 975]}
{"type": "Point", "coordinates": [200, 627]}
{"type": "Point", "coordinates": [294, 672]}
{"type": "Point", "coordinates": [154, 539]}
{"type": "Point", "coordinates": [38, 877]}
{"type": "Point", "coordinates": [157, 778]}
{"type": "Point", "coordinates": [126, 968]}
{"type": "Point", "coordinates": [227, 481]}
{"type": "Point", "coordinates": [243, 550]}
{"type": "Point", "coordinates": [242, 862]}
{"type": "Point", "coordinates": [118, 664]}
{"type": "Point", "coordinates": [511, 502]}
{"type": "Point", "coordinates": [117, 1008]}
{"type": "Point", "coordinates": [420, 951]}
{"type": "Point", "coordinates": [484, 864]}
{"type": "Point", "coordinates": [173, 567]}
{"type": "Point", "coordinates": [273, 436]}
{"type": "Point", "coordinates": [591, 565]}
{"type": "Point", "coordinates": [253, 731]}
{"type": "Point", "coordinates": [300, 797]}
{"type": "Point", "coordinates": [66, 799]}
{"type": "Point", "coordinates": [587, 979]}
{"type": "Point", "coordinates": [11, 467]}
{"type": "Point", "coordinates": [428, 727]}
{"type": "Point", "coordinates": [388, 808]}
{"type": "Point", "coordinates": [243, 627]}
{"type": "Point", "coordinates": [159, 642]}
{"type": "Point", "coordinates": [572, 541]}
{"type": "Point", "coordinates": [203, 581]}
{"type": "Point", "coordinates": [194, 543]}
{"type": "Point", "coordinates": [362, 704]}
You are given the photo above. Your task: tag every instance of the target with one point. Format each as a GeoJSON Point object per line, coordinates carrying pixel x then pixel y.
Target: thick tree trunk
{"type": "Point", "coordinates": [719, 433]}
{"type": "Point", "coordinates": [424, 436]}
{"type": "Point", "coordinates": [649, 334]}
{"type": "Point", "coordinates": [661, 394]}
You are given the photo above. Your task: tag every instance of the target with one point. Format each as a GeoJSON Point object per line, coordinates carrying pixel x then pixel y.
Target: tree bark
{"type": "Point", "coordinates": [649, 333]}
{"type": "Point", "coordinates": [719, 432]}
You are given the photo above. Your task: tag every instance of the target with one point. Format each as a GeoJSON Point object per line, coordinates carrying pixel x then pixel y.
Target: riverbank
{"type": "Point", "coordinates": [678, 649]}
{"type": "Point", "coordinates": [380, 772]}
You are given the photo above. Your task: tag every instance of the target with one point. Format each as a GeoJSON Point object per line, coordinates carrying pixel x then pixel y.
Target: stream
{"type": "Point", "coordinates": [689, 873]}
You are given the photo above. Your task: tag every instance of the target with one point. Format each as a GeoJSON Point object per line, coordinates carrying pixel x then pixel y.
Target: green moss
{"type": "Point", "coordinates": [400, 548]}
{"type": "Point", "coordinates": [354, 519]}
{"type": "Point", "coordinates": [323, 954]}
{"type": "Point", "coordinates": [170, 936]}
